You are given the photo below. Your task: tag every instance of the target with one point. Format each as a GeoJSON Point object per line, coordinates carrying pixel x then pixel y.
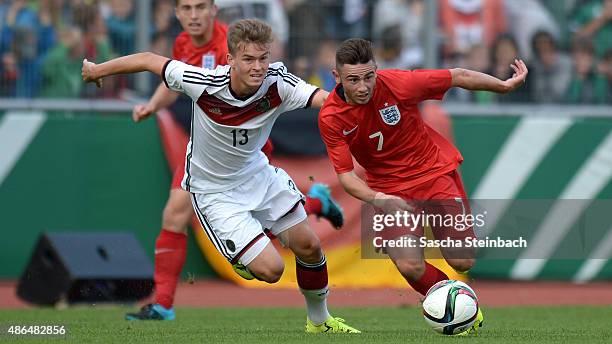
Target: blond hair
{"type": "Point", "coordinates": [246, 31]}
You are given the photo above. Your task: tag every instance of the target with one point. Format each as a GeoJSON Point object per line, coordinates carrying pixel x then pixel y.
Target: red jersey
{"type": "Point", "coordinates": [209, 56]}
{"type": "Point", "coordinates": [387, 136]}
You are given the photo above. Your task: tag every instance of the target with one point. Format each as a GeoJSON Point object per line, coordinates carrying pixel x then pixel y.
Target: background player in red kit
{"type": "Point", "coordinates": [203, 43]}
{"type": "Point", "coordinates": [373, 116]}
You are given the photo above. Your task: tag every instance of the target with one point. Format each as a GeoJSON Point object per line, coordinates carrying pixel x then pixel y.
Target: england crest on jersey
{"type": "Point", "coordinates": [208, 61]}
{"type": "Point", "coordinates": [391, 115]}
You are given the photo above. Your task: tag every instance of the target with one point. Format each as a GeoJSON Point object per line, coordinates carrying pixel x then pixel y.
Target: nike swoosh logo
{"type": "Point", "coordinates": [347, 132]}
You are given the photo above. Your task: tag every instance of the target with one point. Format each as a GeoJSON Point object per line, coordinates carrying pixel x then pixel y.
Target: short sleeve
{"type": "Point", "coordinates": [184, 78]}
{"type": "Point", "coordinates": [337, 149]}
{"type": "Point", "coordinates": [418, 85]}
{"type": "Point", "coordinates": [295, 92]}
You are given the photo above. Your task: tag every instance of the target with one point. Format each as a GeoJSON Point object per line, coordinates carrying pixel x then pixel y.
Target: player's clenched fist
{"type": "Point", "coordinates": [390, 204]}
{"type": "Point", "coordinates": [142, 111]}
{"type": "Point", "coordinates": [88, 73]}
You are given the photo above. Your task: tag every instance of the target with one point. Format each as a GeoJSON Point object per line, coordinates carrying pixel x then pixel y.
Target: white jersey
{"type": "Point", "coordinates": [227, 133]}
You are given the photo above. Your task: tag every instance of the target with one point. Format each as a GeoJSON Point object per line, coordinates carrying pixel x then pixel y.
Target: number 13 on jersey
{"type": "Point", "coordinates": [240, 137]}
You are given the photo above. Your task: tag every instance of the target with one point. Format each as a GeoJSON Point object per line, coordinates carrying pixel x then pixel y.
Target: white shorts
{"type": "Point", "coordinates": [234, 220]}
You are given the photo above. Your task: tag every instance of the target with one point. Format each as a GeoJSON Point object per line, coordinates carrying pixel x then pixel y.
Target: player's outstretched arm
{"type": "Point", "coordinates": [319, 98]}
{"type": "Point", "coordinates": [357, 188]}
{"type": "Point", "coordinates": [162, 98]}
{"type": "Point", "coordinates": [141, 62]}
{"type": "Point", "coordinates": [477, 81]}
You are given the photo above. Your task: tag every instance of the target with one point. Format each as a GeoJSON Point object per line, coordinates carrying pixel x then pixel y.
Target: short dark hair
{"type": "Point", "coordinates": [354, 51]}
{"type": "Point", "coordinates": [246, 31]}
{"type": "Point", "coordinates": [584, 46]}
{"type": "Point", "coordinates": [176, 2]}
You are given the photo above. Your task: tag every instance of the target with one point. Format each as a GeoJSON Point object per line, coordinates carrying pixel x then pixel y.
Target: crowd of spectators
{"type": "Point", "coordinates": [566, 43]}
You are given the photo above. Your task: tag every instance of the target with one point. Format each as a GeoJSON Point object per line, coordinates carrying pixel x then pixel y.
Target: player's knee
{"type": "Point", "coordinates": [461, 265]}
{"type": "Point", "coordinates": [175, 219]}
{"type": "Point", "coordinates": [311, 248]}
{"type": "Point", "coordinates": [271, 273]}
{"type": "Point", "coordinates": [410, 269]}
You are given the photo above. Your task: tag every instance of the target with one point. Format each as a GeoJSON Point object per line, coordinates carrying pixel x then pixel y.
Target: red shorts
{"type": "Point", "coordinates": [440, 203]}
{"type": "Point", "coordinates": [179, 171]}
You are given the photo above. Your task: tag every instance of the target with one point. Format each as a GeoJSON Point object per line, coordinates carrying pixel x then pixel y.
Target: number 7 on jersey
{"type": "Point", "coordinates": [381, 139]}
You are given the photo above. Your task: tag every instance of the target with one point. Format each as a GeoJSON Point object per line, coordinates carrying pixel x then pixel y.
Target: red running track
{"type": "Point", "coordinates": [209, 293]}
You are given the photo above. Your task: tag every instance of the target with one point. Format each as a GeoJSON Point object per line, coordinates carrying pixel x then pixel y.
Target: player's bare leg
{"type": "Point", "coordinates": [177, 212]}
{"type": "Point", "coordinates": [170, 255]}
{"type": "Point", "coordinates": [462, 260]}
{"type": "Point", "coordinates": [268, 266]}
{"type": "Point", "coordinates": [461, 265]}
{"type": "Point", "coordinates": [413, 267]}
{"type": "Point", "coordinates": [311, 272]}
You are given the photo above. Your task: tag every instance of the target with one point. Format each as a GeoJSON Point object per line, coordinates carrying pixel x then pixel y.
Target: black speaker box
{"type": "Point", "coordinates": [86, 267]}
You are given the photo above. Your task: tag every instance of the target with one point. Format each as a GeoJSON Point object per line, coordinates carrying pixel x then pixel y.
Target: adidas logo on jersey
{"type": "Point", "coordinates": [215, 110]}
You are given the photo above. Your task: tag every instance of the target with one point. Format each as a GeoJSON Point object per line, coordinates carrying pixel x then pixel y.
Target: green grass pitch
{"type": "Point", "coordinates": [560, 325]}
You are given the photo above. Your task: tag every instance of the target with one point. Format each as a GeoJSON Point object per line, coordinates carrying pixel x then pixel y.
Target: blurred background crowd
{"type": "Point", "coordinates": [566, 43]}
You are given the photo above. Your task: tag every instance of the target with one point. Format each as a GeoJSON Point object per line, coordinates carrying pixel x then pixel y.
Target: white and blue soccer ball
{"type": "Point", "coordinates": [450, 307]}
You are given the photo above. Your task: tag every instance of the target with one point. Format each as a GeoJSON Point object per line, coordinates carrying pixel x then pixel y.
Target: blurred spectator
{"type": "Point", "coordinates": [161, 44]}
{"type": "Point", "coordinates": [315, 20]}
{"type": "Point", "coordinates": [325, 61]}
{"type": "Point", "coordinates": [121, 26]}
{"type": "Point", "coordinates": [62, 66]}
{"type": "Point", "coordinates": [593, 20]}
{"type": "Point", "coordinates": [345, 18]}
{"type": "Point", "coordinates": [277, 51]}
{"type": "Point", "coordinates": [560, 11]}
{"type": "Point", "coordinates": [163, 20]}
{"type": "Point", "coordinates": [97, 47]}
{"type": "Point", "coordinates": [468, 22]}
{"type": "Point", "coordinates": [304, 30]}
{"type": "Point", "coordinates": [581, 89]}
{"type": "Point", "coordinates": [8, 74]}
{"type": "Point", "coordinates": [477, 59]}
{"type": "Point", "coordinates": [301, 67]}
{"type": "Point", "coordinates": [551, 69]}
{"type": "Point", "coordinates": [523, 24]}
{"type": "Point", "coordinates": [390, 52]}
{"type": "Point", "coordinates": [603, 88]}
{"type": "Point", "coordinates": [25, 38]}
{"type": "Point", "coordinates": [271, 11]}
{"type": "Point", "coordinates": [405, 16]}
{"type": "Point", "coordinates": [503, 53]}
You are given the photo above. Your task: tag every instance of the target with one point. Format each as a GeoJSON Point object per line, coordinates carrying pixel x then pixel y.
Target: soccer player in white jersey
{"type": "Point", "coordinates": [235, 192]}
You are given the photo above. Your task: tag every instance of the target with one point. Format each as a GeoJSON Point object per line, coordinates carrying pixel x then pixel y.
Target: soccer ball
{"type": "Point", "coordinates": [450, 307]}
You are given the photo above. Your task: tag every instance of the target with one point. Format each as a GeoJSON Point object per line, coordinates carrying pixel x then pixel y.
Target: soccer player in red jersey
{"type": "Point", "coordinates": [203, 43]}
{"type": "Point", "coordinates": [374, 117]}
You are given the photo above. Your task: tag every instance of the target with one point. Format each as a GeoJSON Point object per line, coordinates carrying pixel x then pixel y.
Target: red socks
{"type": "Point", "coordinates": [170, 254]}
{"type": "Point", "coordinates": [313, 206]}
{"type": "Point", "coordinates": [431, 276]}
{"type": "Point", "coordinates": [311, 276]}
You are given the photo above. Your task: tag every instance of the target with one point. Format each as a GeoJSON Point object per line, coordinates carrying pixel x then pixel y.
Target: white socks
{"type": "Point", "coordinates": [316, 305]}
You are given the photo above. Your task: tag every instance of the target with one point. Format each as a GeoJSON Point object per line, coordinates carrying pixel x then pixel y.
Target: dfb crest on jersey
{"type": "Point", "coordinates": [263, 105]}
{"type": "Point", "coordinates": [391, 115]}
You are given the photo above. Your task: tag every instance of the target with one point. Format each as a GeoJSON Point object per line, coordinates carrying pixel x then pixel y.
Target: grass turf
{"type": "Point", "coordinates": [286, 325]}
